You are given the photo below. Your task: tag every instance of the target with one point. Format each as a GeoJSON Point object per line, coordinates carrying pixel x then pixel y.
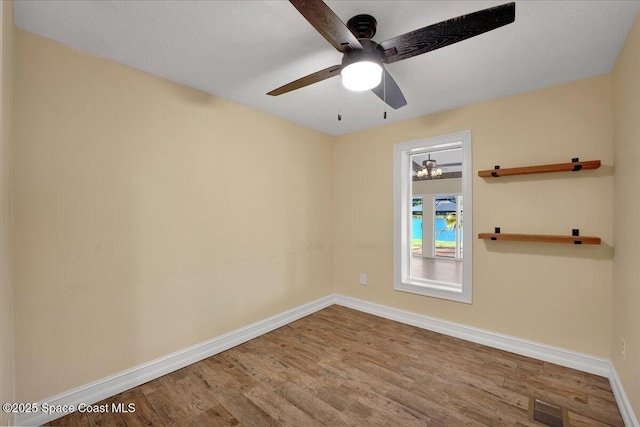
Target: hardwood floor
{"type": "Point", "coordinates": [340, 367]}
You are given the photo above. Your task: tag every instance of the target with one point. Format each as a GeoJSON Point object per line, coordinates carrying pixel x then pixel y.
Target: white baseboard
{"type": "Point", "coordinates": [107, 387]}
{"type": "Point", "coordinates": [547, 353]}
{"type": "Point", "coordinates": [112, 385]}
{"type": "Point", "coordinates": [624, 405]}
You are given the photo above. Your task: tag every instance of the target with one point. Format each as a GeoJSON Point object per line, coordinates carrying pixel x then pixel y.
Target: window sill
{"type": "Point", "coordinates": [434, 289]}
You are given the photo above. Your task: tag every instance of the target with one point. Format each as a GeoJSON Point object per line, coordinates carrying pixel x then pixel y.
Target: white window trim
{"type": "Point", "coordinates": [401, 218]}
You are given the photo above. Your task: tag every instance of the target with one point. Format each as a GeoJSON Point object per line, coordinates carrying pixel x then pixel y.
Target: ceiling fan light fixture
{"type": "Point", "coordinates": [430, 169]}
{"type": "Point", "coordinates": [362, 75]}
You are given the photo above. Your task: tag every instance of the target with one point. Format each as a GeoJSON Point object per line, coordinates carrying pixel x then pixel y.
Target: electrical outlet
{"type": "Point", "coordinates": [363, 279]}
{"type": "Point", "coordinates": [623, 350]}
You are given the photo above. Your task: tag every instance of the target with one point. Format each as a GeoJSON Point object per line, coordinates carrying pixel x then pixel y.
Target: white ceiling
{"type": "Point", "coordinates": [240, 50]}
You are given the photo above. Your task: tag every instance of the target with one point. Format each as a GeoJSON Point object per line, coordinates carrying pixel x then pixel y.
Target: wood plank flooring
{"type": "Point", "coordinates": [340, 367]}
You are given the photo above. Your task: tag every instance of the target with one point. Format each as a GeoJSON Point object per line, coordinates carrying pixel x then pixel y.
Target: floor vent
{"type": "Point", "coordinates": [547, 413]}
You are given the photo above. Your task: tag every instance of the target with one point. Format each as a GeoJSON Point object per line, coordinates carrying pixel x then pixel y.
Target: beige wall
{"type": "Point", "coordinates": [553, 294]}
{"type": "Point", "coordinates": [6, 283]}
{"type": "Point", "coordinates": [626, 269]}
{"type": "Point", "coordinates": [150, 217]}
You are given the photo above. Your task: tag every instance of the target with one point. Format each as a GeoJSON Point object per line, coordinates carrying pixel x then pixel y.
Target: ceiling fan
{"type": "Point", "coordinates": [431, 169]}
{"type": "Point", "coordinates": [363, 60]}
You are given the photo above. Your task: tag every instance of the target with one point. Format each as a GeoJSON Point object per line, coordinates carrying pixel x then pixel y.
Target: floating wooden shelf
{"type": "Point", "coordinates": [544, 238]}
{"type": "Point", "coordinates": [574, 166]}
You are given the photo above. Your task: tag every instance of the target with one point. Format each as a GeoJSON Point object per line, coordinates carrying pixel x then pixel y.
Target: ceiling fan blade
{"type": "Point", "coordinates": [447, 32]}
{"type": "Point", "coordinates": [389, 91]}
{"type": "Point", "coordinates": [327, 23]}
{"type": "Point", "coordinates": [316, 77]}
{"type": "Point", "coordinates": [444, 165]}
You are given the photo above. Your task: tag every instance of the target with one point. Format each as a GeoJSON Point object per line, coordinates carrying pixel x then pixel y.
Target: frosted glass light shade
{"type": "Point", "coordinates": [362, 75]}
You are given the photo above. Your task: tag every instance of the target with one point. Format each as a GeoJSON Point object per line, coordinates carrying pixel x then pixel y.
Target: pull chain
{"type": "Point", "coordinates": [384, 92]}
{"type": "Point", "coordinates": [340, 99]}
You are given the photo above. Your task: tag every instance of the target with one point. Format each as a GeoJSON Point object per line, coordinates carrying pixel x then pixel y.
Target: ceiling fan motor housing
{"type": "Point", "coordinates": [363, 26]}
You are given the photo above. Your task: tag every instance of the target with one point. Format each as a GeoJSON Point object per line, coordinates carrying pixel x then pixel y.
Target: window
{"type": "Point", "coordinates": [432, 179]}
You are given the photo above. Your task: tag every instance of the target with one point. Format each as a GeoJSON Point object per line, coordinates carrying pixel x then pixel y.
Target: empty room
{"type": "Point", "coordinates": [320, 213]}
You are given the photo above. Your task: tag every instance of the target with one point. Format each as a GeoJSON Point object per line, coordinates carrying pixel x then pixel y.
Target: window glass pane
{"type": "Point", "coordinates": [416, 226]}
{"type": "Point", "coordinates": [436, 184]}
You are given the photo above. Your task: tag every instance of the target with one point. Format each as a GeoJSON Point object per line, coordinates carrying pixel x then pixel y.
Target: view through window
{"type": "Point", "coordinates": [436, 215]}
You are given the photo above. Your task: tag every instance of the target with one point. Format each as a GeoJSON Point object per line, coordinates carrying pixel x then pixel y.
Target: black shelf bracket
{"type": "Point", "coordinates": [576, 232]}
{"type": "Point", "coordinates": [494, 173]}
{"type": "Point", "coordinates": [576, 167]}
{"type": "Point", "coordinates": [497, 231]}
